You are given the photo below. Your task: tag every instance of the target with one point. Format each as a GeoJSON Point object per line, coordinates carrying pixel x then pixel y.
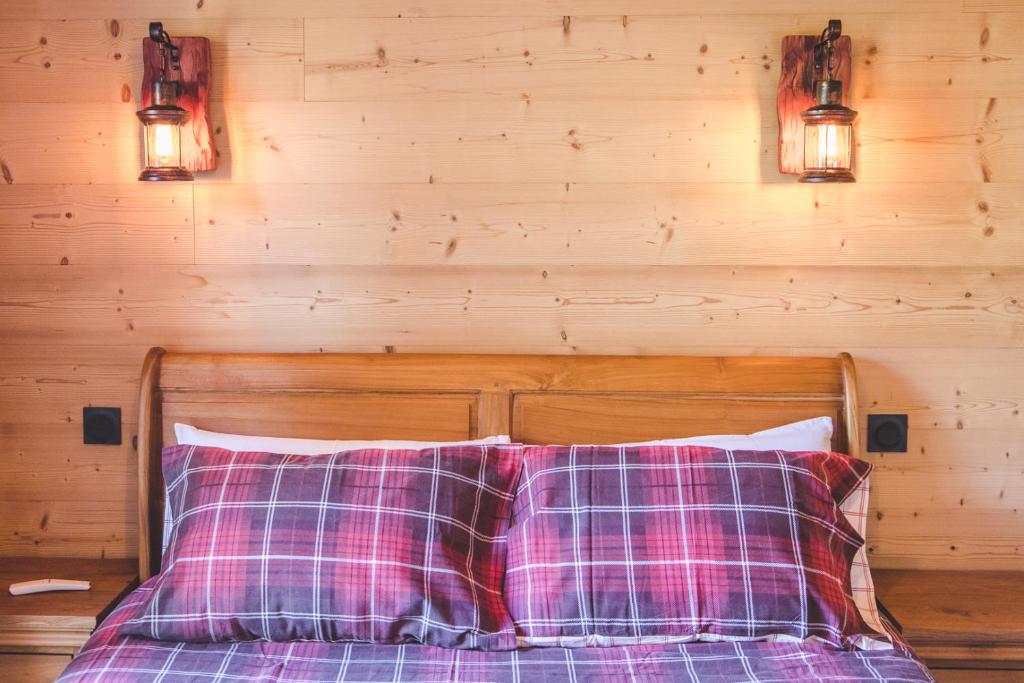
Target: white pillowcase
{"type": "Point", "coordinates": [807, 435]}
{"type": "Point", "coordinates": [187, 434]}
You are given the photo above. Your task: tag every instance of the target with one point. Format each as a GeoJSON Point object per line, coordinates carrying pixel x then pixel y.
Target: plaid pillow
{"type": "Point", "coordinates": [368, 545]}
{"type": "Point", "coordinates": [619, 545]}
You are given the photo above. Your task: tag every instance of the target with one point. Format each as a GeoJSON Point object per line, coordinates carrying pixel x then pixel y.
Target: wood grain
{"type": "Point", "coordinates": [581, 309]}
{"type": "Point", "coordinates": [993, 6]}
{"type": "Point", "coordinates": [100, 59]}
{"type": "Point", "coordinates": [977, 675]}
{"type": "Point", "coordinates": [944, 624]}
{"type": "Point", "coordinates": [43, 463]}
{"type": "Point", "coordinates": [58, 622]}
{"type": "Point", "coordinates": [969, 140]}
{"type": "Point", "coordinates": [395, 219]}
{"type": "Point", "coordinates": [71, 224]}
{"type": "Point", "coordinates": [933, 224]}
{"type": "Point", "coordinates": [659, 57]}
{"type": "Point", "coordinates": [551, 417]}
{"type": "Point", "coordinates": [150, 428]}
{"type": "Point", "coordinates": [412, 416]}
{"type": "Point", "coordinates": [32, 668]}
{"type": "Point", "coordinates": [144, 9]}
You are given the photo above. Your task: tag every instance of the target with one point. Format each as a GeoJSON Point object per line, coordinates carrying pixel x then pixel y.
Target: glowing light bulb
{"type": "Point", "coordinates": [163, 141]}
{"type": "Point", "coordinates": [826, 151]}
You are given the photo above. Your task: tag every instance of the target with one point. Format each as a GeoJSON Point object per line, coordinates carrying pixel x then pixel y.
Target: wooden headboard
{"type": "Point", "coordinates": [440, 397]}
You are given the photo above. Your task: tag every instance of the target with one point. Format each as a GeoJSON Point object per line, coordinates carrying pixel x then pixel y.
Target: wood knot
{"type": "Point", "coordinates": [115, 28]}
{"type": "Point", "coordinates": [566, 24]}
{"type": "Point", "coordinates": [5, 170]}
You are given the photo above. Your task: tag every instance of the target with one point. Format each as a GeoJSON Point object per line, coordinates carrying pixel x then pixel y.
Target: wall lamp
{"type": "Point", "coordinates": [816, 141]}
{"type": "Point", "coordinates": [828, 125]}
{"type": "Point", "coordinates": [175, 114]}
{"type": "Point", "coordinates": [163, 118]}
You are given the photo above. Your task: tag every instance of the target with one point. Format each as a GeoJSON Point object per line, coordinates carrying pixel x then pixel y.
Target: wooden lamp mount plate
{"type": "Point", "coordinates": [796, 93]}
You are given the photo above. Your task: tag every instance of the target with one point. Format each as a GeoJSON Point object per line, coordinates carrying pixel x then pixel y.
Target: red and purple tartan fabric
{"type": "Point", "coordinates": [622, 545]}
{"type": "Point", "coordinates": [109, 657]}
{"type": "Point", "coordinates": [370, 545]}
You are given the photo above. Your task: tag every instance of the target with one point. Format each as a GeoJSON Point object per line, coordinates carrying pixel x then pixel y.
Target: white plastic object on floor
{"type": "Point", "coordinates": [47, 585]}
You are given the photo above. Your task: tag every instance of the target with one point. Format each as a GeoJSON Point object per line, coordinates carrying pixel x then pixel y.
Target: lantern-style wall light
{"type": "Point", "coordinates": [828, 125]}
{"type": "Point", "coordinates": [163, 118]}
{"type": "Point", "coordinates": [815, 126]}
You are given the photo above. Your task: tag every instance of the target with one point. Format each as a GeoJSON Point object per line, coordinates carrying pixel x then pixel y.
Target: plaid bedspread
{"type": "Point", "coordinates": [111, 657]}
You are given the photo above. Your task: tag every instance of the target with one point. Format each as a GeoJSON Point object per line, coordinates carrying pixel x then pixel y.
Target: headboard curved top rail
{"type": "Point", "coordinates": [449, 397]}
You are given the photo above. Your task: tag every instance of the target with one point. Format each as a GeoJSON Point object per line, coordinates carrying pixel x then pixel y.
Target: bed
{"type": "Point", "coordinates": [534, 399]}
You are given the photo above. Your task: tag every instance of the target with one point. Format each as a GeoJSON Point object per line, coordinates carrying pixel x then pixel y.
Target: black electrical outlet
{"type": "Point", "coordinates": [101, 426]}
{"type": "Point", "coordinates": [887, 433]}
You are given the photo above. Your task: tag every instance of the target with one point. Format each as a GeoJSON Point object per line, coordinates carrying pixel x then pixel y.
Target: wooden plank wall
{"type": "Point", "coordinates": [539, 176]}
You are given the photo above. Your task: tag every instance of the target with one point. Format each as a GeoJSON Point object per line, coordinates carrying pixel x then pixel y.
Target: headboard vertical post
{"type": "Point", "coordinates": [493, 413]}
{"type": "Point", "coordinates": [148, 448]}
{"type": "Point", "coordinates": [851, 410]}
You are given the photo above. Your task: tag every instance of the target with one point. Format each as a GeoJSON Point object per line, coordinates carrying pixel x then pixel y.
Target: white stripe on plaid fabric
{"type": "Point", "coordinates": [423, 532]}
{"type": "Point", "coordinates": [265, 608]}
{"type": "Point", "coordinates": [634, 607]}
{"type": "Point", "coordinates": [432, 516]}
{"type": "Point", "coordinates": [374, 542]}
{"type": "Point", "coordinates": [669, 466]}
{"type": "Point", "coordinates": [168, 525]}
{"type": "Point", "coordinates": [108, 656]}
{"type": "Point", "coordinates": [794, 539]}
{"type": "Point", "coordinates": [577, 539]}
{"type": "Point", "coordinates": [313, 505]}
{"type": "Point", "coordinates": [744, 560]}
{"type": "Point", "coordinates": [691, 597]}
{"type": "Point", "coordinates": [552, 489]}
{"type": "Point", "coordinates": [855, 509]}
